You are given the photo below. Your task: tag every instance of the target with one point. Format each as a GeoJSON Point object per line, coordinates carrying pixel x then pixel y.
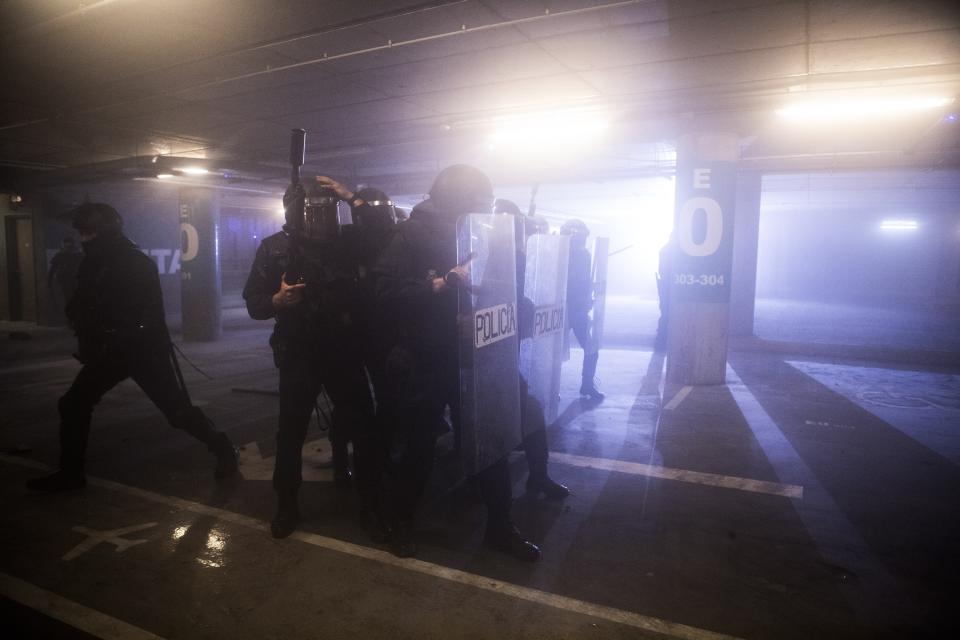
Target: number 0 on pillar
{"type": "Point", "coordinates": [703, 232]}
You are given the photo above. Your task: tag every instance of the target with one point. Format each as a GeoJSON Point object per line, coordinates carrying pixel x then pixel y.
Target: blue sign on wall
{"type": "Point", "coordinates": [703, 232]}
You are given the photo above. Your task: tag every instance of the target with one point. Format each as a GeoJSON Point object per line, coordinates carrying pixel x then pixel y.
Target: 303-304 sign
{"type": "Point", "coordinates": [702, 254]}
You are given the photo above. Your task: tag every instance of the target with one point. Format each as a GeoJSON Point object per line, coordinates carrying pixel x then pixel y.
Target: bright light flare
{"type": "Point", "coordinates": [194, 171]}
{"type": "Point", "coordinates": [551, 131]}
{"type": "Point", "coordinates": [859, 109]}
{"type": "Point", "coordinates": [164, 176]}
{"type": "Point", "coordinates": [899, 225]}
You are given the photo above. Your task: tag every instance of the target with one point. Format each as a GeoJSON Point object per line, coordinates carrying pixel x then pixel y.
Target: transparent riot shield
{"type": "Point", "coordinates": [601, 254]}
{"type": "Point", "coordinates": [543, 333]}
{"type": "Point", "coordinates": [488, 322]}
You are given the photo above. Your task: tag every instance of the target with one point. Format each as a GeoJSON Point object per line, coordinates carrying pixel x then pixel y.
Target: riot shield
{"type": "Point", "coordinates": [488, 324]}
{"type": "Point", "coordinates": [601, 252]}
{"type": "Point", "coordinates": [543, 334]}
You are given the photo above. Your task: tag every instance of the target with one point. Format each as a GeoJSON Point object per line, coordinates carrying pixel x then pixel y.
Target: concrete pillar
{"type": "Point", "coordinates": [701, 259]}
{"type": "Point", "coordinates": [746, 238]}
{"type": "Point", "coordinates": [200, 264]}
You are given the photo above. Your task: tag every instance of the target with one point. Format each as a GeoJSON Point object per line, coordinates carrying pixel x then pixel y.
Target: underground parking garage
{"type": "Point", "coordinates": [726, 297]}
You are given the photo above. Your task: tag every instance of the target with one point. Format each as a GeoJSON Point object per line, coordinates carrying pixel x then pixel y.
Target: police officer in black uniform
{"type": "Point", "coordinates": [374, 219]}
{"type": "Point", "coordinates": [579, 303]}
{"type": "Point", "coordinates": [64, 267]}
{"type": "Point", "coordinates": [118, 316]}
{"type": "Point", "coordinates": [416, 286]}
{"type": "Point", "coordinates": [664, 275]}
{"type": "Point", "coordinates": [305, 278]}
{"type": "Point", "coordinates": [535, 446]}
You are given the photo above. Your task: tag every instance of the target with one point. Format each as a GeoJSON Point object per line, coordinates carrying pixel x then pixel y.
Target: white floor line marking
{"type": "Point", "coordinates": [628, 618]}
{"type": "Point", "coordinates": [69, 612]}
{"type": "Point", "coordinates": [677, 399]}
{"type": "Point", "coordinates": [70, 363]}
{"type": "Point", "coordinates": [681, 475]}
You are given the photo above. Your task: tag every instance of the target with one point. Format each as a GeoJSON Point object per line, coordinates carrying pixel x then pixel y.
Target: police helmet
{"type": "Point", "coordinates": [502, 205]}
{"type": "Point", "coordinates": [97, 218]}
{"type": "Point", "coordinates": [574, 227]}
{"type": "Point", "coordinates": [461, 188]}
{"type": "Point", "coordinates": [378, 210]}
{"type": "Point", "coordinates": [321, 220]}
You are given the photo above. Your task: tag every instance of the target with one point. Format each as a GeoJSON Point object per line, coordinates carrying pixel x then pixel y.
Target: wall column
{"type": "Point", "coordinates": [200, 264]}
{"type": "Point", "coordinates": [746, 239]}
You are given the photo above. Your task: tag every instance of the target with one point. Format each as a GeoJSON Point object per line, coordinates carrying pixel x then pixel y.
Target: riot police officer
{"type": "Point", "coordinates": [664, 276]}
{"type": "Point", "coordinates": [579, 303]}
{"type": "Point", "coordinates": [374, 218]}
{"type": "Point", "coordinates": [63, 269]}
{"type": "Point", "coordinates": [535, 446]}
{"type": "Point", "coordinates": [117, 313]}
{"type": "Point", "coordinates": [417, 285]}
{"type": "Point", "coordinates": [304, 278]}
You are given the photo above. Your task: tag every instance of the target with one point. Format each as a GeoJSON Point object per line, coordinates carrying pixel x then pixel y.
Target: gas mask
{"type": "Point", "coordinates": [321, 221]}
{"type": "Point", "coordinates": [375, 215]}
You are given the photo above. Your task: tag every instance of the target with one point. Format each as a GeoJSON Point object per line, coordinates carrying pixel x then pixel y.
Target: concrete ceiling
{"type": "Point", "coordinates": [392, 91]}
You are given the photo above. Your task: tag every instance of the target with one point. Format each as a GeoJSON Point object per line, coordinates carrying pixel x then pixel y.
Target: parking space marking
{"type": "Point", "coordinates": [677, 399]}
{"type": "Point", "coordinates": [112, 536]}
{"type": "Point", "coordinates": [70, 363]}
{"type": "Point", "coordinates": [619, 616]}
{"type": "Point", "coordinates": [680, 475]}
{"type": "Point", "coordinates": [69, 612]}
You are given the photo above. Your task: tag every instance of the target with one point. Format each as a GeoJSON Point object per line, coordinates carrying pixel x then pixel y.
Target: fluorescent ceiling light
{"type": "Point", "coordinates": [859, 109]}
{"type": "Point", "coordinates": [899, 225]}
{"type": "Point", "coordinates": [555, 130]}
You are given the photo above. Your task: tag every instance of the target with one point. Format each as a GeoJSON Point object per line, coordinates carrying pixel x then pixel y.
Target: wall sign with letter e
{"type": "Point", "coordinates": [703, 232]}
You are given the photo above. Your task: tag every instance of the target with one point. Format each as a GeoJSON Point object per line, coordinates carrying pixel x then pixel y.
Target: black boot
{"type": "Point", "coordinates": [228, 457]}
{"type": "Point", "coordinates": [546, 485]}
{"type": "Point", "coordinates": [57, 482]}
{"type": "Point", "coordinates": [508, 539]}
{"type": "Point", "coordinates": [375, 525]}
{"type": "Point", "coordinates": [403, 541]}
{"type": "Point", "coordinates": [342, 476]}
{"type": "Point", "coordinates": [192, 420]}
{"type": "Point", "coordinates": [287, 518]}
{"type": "Point", "coordinates": [588, 390]}
{"type": "Point", "coordinates": [587, 386]}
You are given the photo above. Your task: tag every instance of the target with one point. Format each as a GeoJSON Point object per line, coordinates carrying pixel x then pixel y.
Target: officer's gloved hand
{"type": "Point", "coordinates": [342, 192]}
{"type": "Point", "coordinates": [459, 276]}
{"type": "Point", "coordinates": [289, 295]}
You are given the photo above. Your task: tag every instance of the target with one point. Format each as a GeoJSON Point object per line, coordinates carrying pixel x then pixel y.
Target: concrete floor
{"type": "Point", "coordinates": [803, 499]}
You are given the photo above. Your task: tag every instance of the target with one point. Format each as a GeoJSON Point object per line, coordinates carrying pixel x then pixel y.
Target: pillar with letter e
{"type": "Point", "coordinates": [200, 264]}
{"type": "Point", "coordinates": [701, 258]}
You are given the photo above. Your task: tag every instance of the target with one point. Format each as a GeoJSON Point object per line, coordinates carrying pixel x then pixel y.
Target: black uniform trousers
{"type": "Point", "coordinates": [580, 323]}
{"type": "Point", "coordinates": [535, 447]}
{"type": "Point", "coordinates": [418, 413]}
{"type": "Point", "coordinates": [151, 367]}
{"type": "Point", "coordinates": [302, 374]}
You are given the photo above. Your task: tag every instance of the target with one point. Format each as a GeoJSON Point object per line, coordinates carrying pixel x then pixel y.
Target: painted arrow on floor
{"type": "Point", "coordinates": [317, 463]}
